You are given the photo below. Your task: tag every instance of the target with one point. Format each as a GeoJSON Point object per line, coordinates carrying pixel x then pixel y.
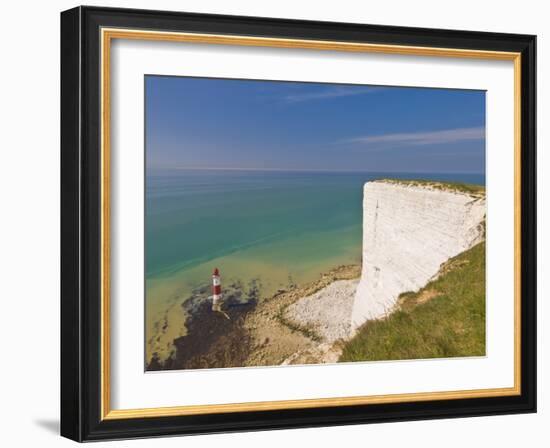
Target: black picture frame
{"type": "Point", "coordinates": [81, 227]}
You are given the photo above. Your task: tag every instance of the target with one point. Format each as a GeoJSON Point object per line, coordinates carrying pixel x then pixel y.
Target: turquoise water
{"type": "Point", "coordinates": [274, 228]}
{"type": "Point", "coordinates": [199, 215]}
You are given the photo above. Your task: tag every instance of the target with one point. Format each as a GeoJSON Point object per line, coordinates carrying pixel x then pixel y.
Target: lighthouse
{"type": "Point", "coordinates": [216, 290]}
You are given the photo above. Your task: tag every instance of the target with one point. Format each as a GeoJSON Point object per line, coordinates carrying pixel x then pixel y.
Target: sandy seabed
{"type": "Point", "coordinates": [297, 325]}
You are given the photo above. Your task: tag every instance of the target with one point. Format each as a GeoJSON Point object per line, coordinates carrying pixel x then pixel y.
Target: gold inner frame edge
{"type": "Point", "coordinates": [107, 35]}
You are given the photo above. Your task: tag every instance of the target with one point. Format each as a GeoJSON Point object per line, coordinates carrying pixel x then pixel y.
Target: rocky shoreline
{"type": "Point", "coordinates": [410, 230]}
{"type": "Point", "coordinates": [282, 329]}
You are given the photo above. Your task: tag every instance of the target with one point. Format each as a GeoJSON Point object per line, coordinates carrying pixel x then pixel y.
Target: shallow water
{"type": "Point", "coordinates": [279, 228]}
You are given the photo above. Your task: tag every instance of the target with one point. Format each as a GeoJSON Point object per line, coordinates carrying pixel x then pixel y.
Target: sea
{"type": "Point", "coordinates": [275, 228]}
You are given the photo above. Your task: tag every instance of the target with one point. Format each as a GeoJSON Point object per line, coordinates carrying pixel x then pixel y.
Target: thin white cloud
{"type": "Point", "coordinates": [330, 92]}
{"type": "Point", "coordinates": [419, 138]}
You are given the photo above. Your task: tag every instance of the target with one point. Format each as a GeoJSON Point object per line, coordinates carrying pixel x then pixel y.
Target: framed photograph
{"type": "Point", "coordinates": [273, 223]}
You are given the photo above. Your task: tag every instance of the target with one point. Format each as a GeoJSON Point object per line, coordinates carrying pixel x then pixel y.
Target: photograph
{"type": "Point", "coordinates": [283, 222]}
{"type": "Point", "coordinates": [291, 223]}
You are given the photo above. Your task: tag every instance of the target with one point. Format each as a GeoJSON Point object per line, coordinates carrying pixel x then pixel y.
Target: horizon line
{"type": "Point", "coordinates": [346, 170]}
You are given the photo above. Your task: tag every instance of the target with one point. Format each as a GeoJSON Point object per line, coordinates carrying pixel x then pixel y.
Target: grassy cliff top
{"type": "Point", "coordinates": [444, 319]}
{"type": "Point", "coordinates": [459, 187]}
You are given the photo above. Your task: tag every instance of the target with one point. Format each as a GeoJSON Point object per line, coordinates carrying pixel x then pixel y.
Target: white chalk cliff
{"type": "Point", "coordinates": [409, 230]}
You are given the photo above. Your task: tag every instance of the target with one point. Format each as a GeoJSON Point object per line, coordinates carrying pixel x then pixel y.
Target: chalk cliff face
{"type": "Point", "coordinates": [409, 230]}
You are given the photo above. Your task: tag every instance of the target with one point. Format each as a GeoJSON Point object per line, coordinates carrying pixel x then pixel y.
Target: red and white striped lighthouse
{"type": "Point", "coordinates": [216, 289]}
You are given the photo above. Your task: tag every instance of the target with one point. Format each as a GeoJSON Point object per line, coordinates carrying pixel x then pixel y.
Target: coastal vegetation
{"type": "Point", "coordinates": [444, 319]}
{"type": "Point", "coordinates": [459, 187]}
{"type": "Point", "coordinates": [281, 317]}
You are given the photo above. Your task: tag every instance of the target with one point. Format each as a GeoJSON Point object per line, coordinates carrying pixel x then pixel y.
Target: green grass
{"type": "Point", "coordinates": [448, 186]}
{"type": "Point", "coordinates": [444, 319]}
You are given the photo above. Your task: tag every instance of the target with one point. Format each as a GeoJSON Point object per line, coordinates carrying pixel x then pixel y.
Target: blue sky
{"type": "Point", "coordinates": [242, 124]}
